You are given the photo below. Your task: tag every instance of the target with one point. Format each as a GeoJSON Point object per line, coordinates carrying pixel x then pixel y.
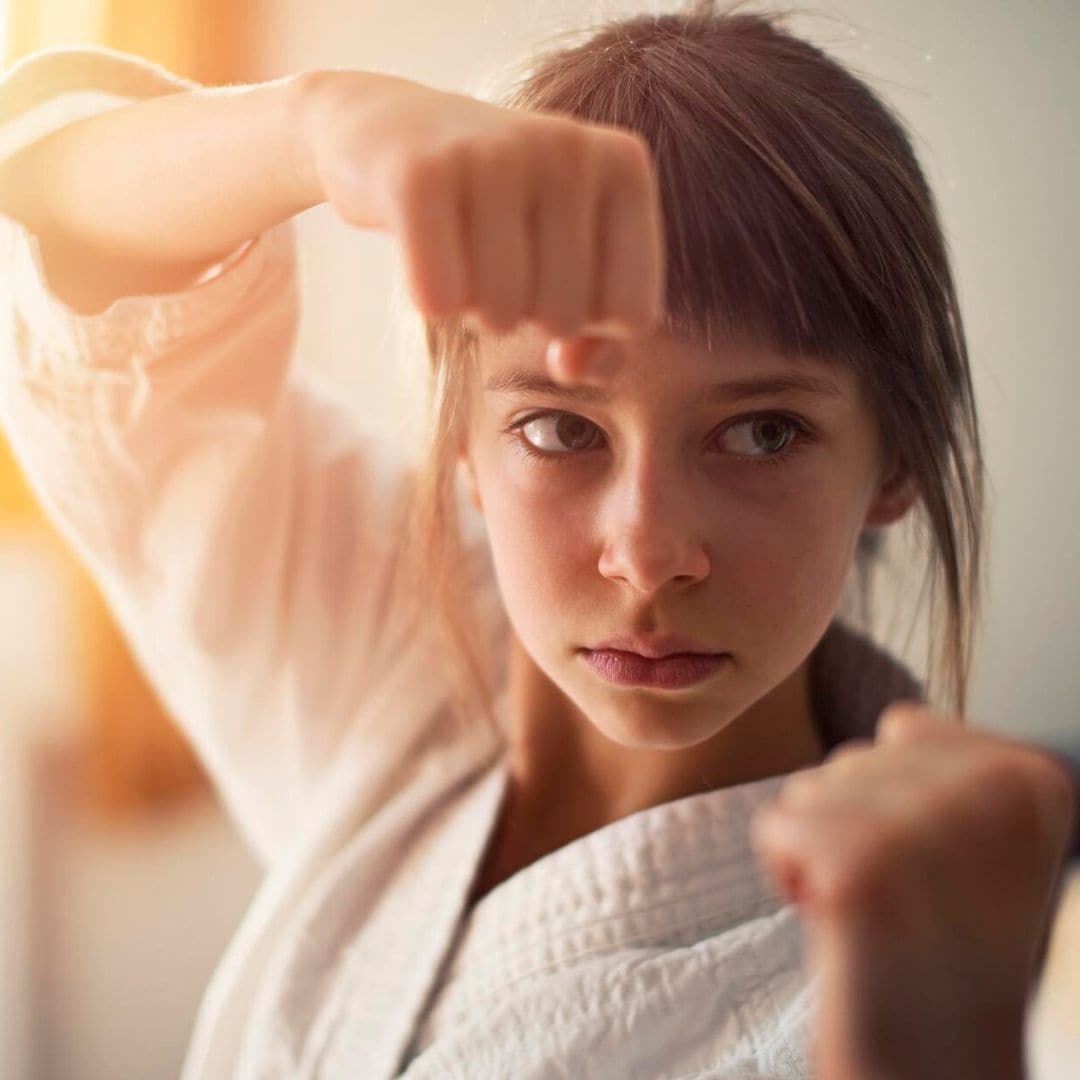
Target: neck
{"type": "Point", "coordinates": [559, 760]}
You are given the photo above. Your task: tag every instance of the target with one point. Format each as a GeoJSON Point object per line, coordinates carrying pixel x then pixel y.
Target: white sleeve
{"type": "Point", "coordinates": [242, 528]}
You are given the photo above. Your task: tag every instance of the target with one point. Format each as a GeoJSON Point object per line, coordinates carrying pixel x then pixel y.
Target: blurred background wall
{"type": "Point", "coordinates": [120, 879]}
{"type": "Point", "coordinates": [109, 835]}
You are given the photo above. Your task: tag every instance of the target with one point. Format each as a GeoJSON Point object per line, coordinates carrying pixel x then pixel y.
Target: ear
{"type": "Point", "coordinates": [894, 497]}
{"type": "Point", "coordinates": [465, 467]}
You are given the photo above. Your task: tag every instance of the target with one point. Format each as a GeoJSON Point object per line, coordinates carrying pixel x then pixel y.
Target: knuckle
{"type": "Point", "coordinates": [797, 787]}
{"type": "Point", "coordinates": [849, 750]}
{"type": "Point", "coordinates": [898, 718]}
{"type": "Point", "coordinates": [630, 150]}
{"type": "Point", "coordinates": [564, 140]}
{"type": "Point", "coordinates": [499, 153]}
{"type": "Point", "coordinates": [1014, 787]}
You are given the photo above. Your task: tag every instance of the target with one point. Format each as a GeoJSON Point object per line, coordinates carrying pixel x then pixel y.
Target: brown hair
{"type": "Point", "coordinates": [796, 216]}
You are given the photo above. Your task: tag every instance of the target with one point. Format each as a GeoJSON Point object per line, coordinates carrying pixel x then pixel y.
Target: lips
{"type": "Point", "coordinates": [672, 672]}
{"type": "Point", "coordinates": [656, 648]}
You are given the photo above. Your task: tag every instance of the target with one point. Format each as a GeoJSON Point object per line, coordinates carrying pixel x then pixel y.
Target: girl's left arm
{"type": "Point", "coordinates": [926, 864]}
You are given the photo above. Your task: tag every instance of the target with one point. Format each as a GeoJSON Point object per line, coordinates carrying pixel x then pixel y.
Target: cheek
{"type": "Point", "coordinates": [536, 530]}
{"type": "Point", "coordinates": [790, 553]}
{"type": "Point", "coordinates": [778, 546]}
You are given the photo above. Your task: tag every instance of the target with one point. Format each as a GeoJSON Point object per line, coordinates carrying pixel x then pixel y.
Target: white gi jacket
{"type": "Point", "coordinates": [243, 531]}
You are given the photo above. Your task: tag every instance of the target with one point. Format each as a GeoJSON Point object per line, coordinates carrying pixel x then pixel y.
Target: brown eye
{"type": "Point", "coordinates": [558, 432]}
{"type": "Point", "coordinates": [771, 434]}
{"type": "Point", "coordinates": [762, 436]}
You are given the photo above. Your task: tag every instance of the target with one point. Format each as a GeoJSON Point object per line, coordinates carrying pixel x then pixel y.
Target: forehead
{"type": "Point", "coordinates": [665, 364]}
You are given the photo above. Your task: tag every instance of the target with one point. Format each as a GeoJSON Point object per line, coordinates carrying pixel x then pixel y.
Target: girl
{"type": "Point", "coordinates": [693, 342]}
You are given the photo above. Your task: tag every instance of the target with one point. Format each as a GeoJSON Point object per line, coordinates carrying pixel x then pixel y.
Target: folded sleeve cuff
{"type": "Point", "coordinates": [42, 93]}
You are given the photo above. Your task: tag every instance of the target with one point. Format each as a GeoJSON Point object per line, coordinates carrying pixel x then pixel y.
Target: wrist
{"type": "Point", "coordinates": [306, 92]}
{"type": "Point", "coordinates": [983, 1044]}
{"type": "Point", "coordinates": [341, 116]}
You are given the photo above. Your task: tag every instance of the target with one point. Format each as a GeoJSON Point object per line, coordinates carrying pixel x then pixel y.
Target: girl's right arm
{"type": "Point", "coordinates": [242, 528]}
{"type": "Point", "coordinates": [507, 216]}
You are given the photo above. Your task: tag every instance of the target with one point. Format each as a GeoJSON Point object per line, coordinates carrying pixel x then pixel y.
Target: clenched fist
{"type": "Point", "coordinates": [925, 865]}
{"type": "Point", "coordinates": [505, 216]}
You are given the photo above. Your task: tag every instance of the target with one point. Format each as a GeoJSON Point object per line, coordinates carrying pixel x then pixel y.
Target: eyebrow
{"type": "Point", "coordinates": [521, 382]}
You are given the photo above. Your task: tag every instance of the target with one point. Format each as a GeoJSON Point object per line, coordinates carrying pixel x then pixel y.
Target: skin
{"type": "Point", "coordinates": [663, 522]}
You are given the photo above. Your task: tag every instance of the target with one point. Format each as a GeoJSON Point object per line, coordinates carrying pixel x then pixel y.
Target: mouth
{"type": "Point", "coordinates": [656, 646]}
{"type": "Point", "coordinates": [674, 671]}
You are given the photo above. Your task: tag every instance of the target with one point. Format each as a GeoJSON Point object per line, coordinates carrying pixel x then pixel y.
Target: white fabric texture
{"type": "Point", "coordinates": [244, 532]}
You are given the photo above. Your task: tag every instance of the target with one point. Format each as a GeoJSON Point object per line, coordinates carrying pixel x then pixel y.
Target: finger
{"type": "Point", "coordinates": [848, 755]}
{"type": "Point", "coordinates": [564, 238]}
{"type": "Point", "coordinates": [775, 837]}
{"type": "Point", "coordinates": [870, 782]}
{"type": "Point", "coordinates": [498, 237]}
{"type": "Point", "coordinates": [862, 793]}
{"type": "Point", "coordinates": [583, 359]}
{"type": "Point", "coordinates": [427, 218]}
{"type": "Point", "coordinates": [630, 285]}
{"type": "Point", "coordinates": [904, 721]}
{"type": "Point", "coordinates": [845, 864]}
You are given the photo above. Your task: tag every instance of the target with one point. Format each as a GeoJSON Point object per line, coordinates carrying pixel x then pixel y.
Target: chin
{"type": "Point", "coordinates": [642, 720]}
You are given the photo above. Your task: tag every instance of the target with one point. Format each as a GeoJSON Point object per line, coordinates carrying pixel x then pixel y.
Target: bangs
{"type": "Point", "coordinates": [783, 218]}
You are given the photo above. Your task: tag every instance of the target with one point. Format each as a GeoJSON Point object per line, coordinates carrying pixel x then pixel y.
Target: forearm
{"type": "Point", "coordinates": [144, 197]}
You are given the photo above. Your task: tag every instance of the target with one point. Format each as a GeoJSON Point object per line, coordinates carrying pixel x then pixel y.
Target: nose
{"type": "Point", "coordinates": [651, 530]}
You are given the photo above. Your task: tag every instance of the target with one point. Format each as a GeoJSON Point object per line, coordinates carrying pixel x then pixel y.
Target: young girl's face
{"type": "Point", "coordinates": [672, 496]}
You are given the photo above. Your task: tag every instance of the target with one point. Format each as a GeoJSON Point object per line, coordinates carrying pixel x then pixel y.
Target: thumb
{"type": "Point", "coordinates": [582, 359]}
{"type": "Point", "coordinates": [903, 721]}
